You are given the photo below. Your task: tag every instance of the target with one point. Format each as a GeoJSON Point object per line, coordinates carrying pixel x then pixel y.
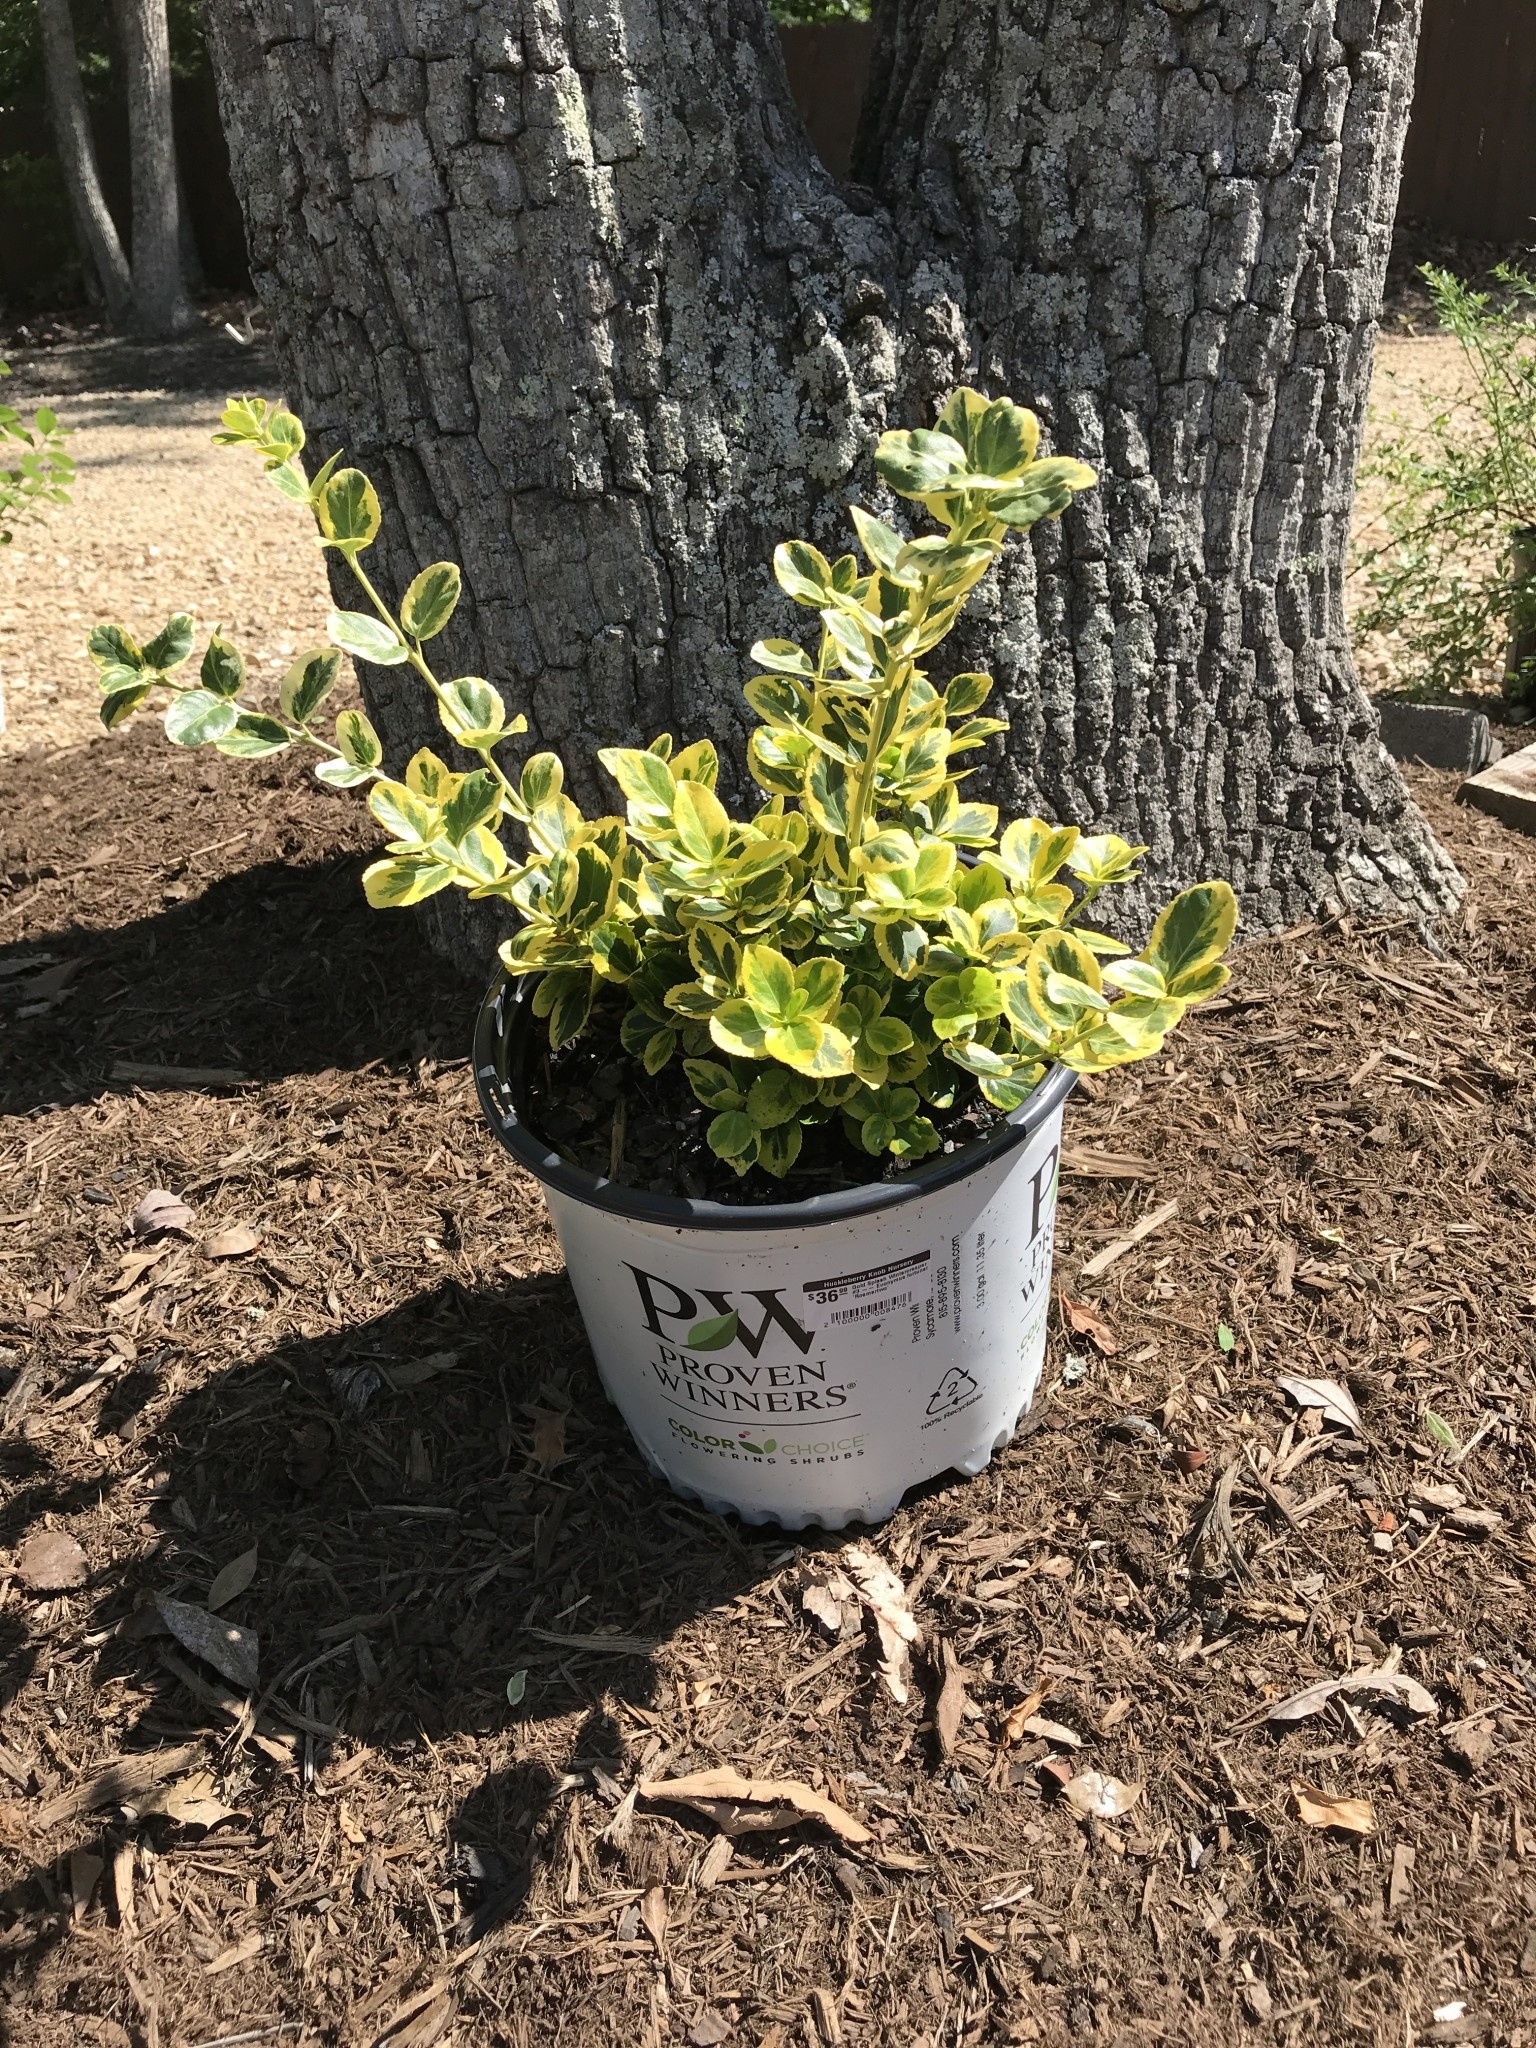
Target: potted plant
{"type": "Point", "coordinates": [793, 1079]}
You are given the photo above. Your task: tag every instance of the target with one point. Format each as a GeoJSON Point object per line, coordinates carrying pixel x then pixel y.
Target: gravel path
{"type": "Point", "coordinates": [160, 519]}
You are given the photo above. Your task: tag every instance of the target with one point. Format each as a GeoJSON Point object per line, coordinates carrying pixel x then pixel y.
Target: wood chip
{"type": "Point", "coordinates": [242, 1952]}
{"type": "Point", "coordinates": [1102, 1261]}
{"type": "Point", "coordinates": [952, 1702]}
{"type": "Point", "coordinates": [119, 1782]}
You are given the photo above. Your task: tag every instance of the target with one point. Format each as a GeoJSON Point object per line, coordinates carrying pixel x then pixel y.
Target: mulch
{"type": "Point", "coordinates": [478, 1623]}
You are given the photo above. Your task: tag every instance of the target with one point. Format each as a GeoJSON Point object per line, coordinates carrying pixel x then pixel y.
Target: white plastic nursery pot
{"type": "Point", "coordinates": [884, 1333]}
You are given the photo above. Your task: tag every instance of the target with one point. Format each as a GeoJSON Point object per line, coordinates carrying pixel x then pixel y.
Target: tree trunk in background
{"type": "Point", "coordinates": [95, 230]}
{"type": "Point", "coordinates": [605, 330]}
{"type": "Point", "coordinates": [160, 304]}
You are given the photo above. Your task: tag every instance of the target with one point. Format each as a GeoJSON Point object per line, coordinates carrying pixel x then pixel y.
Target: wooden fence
{"type": "Point", "coordinates": [1471, 161]}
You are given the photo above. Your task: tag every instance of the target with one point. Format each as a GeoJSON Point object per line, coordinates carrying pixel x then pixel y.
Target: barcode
{"type": "Point", "coordinates": [863, 1309]}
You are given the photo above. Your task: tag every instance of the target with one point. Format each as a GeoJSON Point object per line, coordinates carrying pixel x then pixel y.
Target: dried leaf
{"type": "Point", "coordinates": [895, 1624]}
{"type": "Point", "coordinates": [84, 1875]}
{"type": "Point", "coordinates": [1090, 1792]}
{"type": "Point", "coordinates": [135, 1265]}
{"type": "Point", "coordinates": [709, 2030]}
{"type": "Point", "coordinates": [50, 1562]}
{"type": "Point", "coordinates": [231, 1651]}
{"type": "Point", "coordinates": [160, 1210]}
{"type": "Point", "coordinates": [1085, 1321]}
{"type": "Point", "coordinates": [416, 1371]}
{"type": "Point", "coordinates": [233, 1580]}
{"type": "Point", "coordinates": [1336, 1401]}
{"type": "Point", "coordinates": [1019, 1717]}
{"type": "Point", "coordinates": [949, 1712]}
{"type": "Point", "coordinates": [548, 1437]}
{"type": "Point", "coordinates": [729, 1788]}
{"type": "Point", "coordinates": [1052, 1731]}
{"type": "Point", "coordinates": [233, 1243]}
{"type": "Point", "coordinates": [1320, 1809]}
{"type": "Point", "coordinates": [654, 1916]}
{"type": "Point", "coordinates": [190, 1800]}
{"type": "Point", "coordinates": [1313, 1698]}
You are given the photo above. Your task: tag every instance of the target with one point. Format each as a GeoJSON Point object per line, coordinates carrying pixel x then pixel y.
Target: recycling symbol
{"type": "Point", "coordinates": [956, 1386]}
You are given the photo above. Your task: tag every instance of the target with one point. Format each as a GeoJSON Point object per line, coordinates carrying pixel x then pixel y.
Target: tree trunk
{"type": "Point", "coordinates": [161, 307]}
{"type": "Point", "coordinates": [576, 289]}
{"type": "Point", "coordinates": [100, 249]}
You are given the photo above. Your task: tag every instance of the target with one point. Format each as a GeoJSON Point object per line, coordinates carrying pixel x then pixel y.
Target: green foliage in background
{"type": "Point", "coordinates": [21, 46]}
{"type": "Point", "coordinates": [1456, 580]}
{"type": "Point", "coordinates": [805, 13]}
{"type": "Point", "coordinates": [866, 944]}
{"type": "Point", "coordinates": [34, 469]}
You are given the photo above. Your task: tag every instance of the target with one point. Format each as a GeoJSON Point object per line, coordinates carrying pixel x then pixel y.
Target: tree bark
{"type": "Point", "coordinates": [573, 285]}
{"type": "Point", "coordinates": [95, 230]}
{"type": "Point", "coordinates": [161, 307]}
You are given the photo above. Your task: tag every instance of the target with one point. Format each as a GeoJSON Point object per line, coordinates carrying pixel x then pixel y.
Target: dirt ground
{"type": "Point", "coordinates": [351, 1402]}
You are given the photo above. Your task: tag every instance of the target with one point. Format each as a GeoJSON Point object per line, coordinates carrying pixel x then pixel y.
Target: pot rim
{"type": "Point", "coordinates": [505, 1014]}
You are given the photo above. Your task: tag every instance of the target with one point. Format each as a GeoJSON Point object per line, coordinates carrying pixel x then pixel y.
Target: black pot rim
{"type": "Point", "coordinates": [506, 1017]}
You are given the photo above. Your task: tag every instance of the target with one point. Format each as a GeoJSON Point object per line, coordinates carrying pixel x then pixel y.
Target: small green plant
{"type": "Point", "coordinates": [1455, 582]}
{"type": "Point", "coordinates": [861, 946]}
{"type": "Point", "coordinates": [34, 468]}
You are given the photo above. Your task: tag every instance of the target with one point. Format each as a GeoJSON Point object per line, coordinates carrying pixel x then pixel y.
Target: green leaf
{"type": "Point", "coordinates": [223, 668]}
{"type": "Point", "coordinates": [254, 735]}
{"type": "Point", "coordinates": [402, 813]}
{"type": "Point", "coordinates": [517, 1688]}
{"type": "Point", "coordinates": [732, 1135]}
{"type": "Point", "coordinates": [347, 508]}
{"type": "Point", "coordinates": [288, 479]}
{"type": "Point", "coordinates": [342, 774]}
{"type": "Point", "coordinates": [918, 463]}
{"type": "Point", "coordinates": [543, 778]}
{"type": "Point", "coordinates": [197, 717]}
{"type": "Point", "coordinates": [735, 1029]}
{"type": "Point", "coordinates": [702, 823]}
{"type": "Point", "coordinates": [1225, 1337]}
{"type": "Point", "coordinates": [1190, 935]}
{"type": "Point", "coordinates": [476, 801]}
{"type": "Point", "coordinates": [714, 1333]}
{"type": "Point", "coordinates": [775, 1097]}
{"type": "Point", "coordinates": [803, 572]}
{"type": "Point", "coordinates": [359, 743]}
{"type": "Point", "coordinates": [404, 879]}
{"type": "Point", "coordinates": [431, 600]}
{"type": "Point", "coordinates": [769, 983]}
{"type": "Point", "coordinates": [473, 713]}
{"type": "Point", "coordinates": [366, 639]}
{"type": "Point", "coordinates": [308, 683]}
{"type": "Point", "coordinates": [644, 778]}
{"type": "Point", "coordinates": [172, 644]}
{"type": "Point", "coordinates": [118, 706]}
{"type": "Point", "coordinates": [1441, 1431]}
{"type": "Point", "coordinates": [111, 646]}
{"type": "Point", "coordinates": [712, 1084]}
{"type": "Point", "coordinates": [784, 657]}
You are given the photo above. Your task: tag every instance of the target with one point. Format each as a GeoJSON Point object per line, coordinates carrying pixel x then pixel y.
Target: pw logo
{"type": "Point", "coordinates": [673, 1313]}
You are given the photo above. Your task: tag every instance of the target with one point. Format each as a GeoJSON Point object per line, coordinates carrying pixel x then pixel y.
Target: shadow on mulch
{"type": "Point", "coordinates": [275, 970]}
{"type": "Point", "coordinates": [412, 1544]}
